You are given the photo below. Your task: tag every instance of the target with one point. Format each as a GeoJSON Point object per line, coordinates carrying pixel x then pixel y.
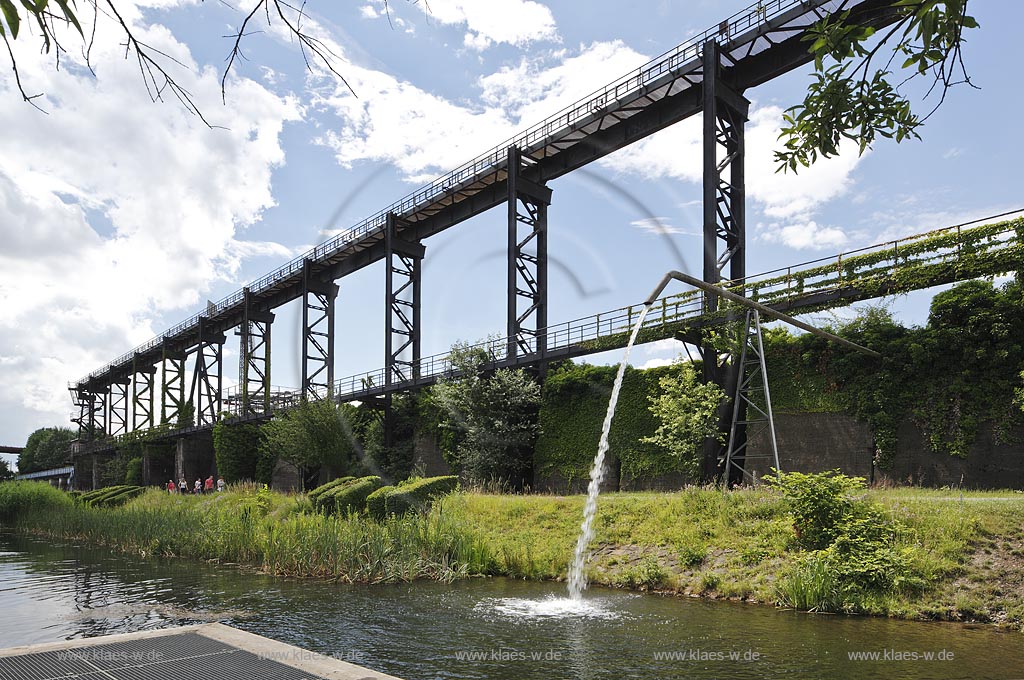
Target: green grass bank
{"type": "Point", "coordinates": [938, 555]}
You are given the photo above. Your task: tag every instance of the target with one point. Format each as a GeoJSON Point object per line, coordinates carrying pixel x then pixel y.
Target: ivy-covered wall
{"type": "Point", "coordinates": [574, 403]}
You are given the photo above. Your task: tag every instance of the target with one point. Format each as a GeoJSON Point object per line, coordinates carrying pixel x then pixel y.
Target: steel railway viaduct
{"type": "Point", "coordinates": [709, 73]}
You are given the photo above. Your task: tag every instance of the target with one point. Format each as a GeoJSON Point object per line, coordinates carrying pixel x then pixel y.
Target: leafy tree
{"type": "Point", "coordinates": [51, 23]}
{"type": "Point", "coordinates": [47, 448]}
{"type": "Point", "coordinates": [851, 96]}
{"type": "Point", "coordinates": [5, 470]}
{"type": "Point", "coordinates": [687, 409]}
{"type": "Point", "coordinates": [493, 418]}
{"type": "Point", "coordinates": [313, 434]}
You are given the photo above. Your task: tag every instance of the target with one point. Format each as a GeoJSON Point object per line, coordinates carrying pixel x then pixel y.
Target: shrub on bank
{"type": "Point", "coordinates": [408, 496]}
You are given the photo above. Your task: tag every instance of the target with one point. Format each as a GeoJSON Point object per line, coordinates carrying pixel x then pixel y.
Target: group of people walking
{"type": "Point", "coordinates": [200, 487]}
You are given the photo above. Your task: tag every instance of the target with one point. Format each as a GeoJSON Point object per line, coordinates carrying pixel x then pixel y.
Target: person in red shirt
{"type": "Point", "coordinates": [171, 487]}
{"type": "Point", "coordinates": [208, 485]}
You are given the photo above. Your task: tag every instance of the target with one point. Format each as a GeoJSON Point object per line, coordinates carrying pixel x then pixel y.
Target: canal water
{"type": "Point", "coordinates": [480, 628]}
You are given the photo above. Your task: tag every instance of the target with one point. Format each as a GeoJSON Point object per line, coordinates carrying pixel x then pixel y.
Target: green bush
{"type": "Point", "coordinates": [854, 555]}
{"type": "Point", "coordinates": [410, 495]}
{"type": "Point", "coordinates": [133, 472]}
{"type": "Point", "coordinates": [819, 503]}
{"type": "Point", "coordinates": [19, 497]}
{"type": "Point", "coordinates": [350, 497]}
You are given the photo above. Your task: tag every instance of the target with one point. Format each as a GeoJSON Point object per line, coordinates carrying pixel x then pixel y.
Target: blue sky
{"type": "Point", "coordinates": [120, 217]}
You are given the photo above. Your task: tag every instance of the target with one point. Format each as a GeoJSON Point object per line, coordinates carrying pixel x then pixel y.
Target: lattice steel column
{"type": "Point", "coordinates": [751, 395]}
{"type": "Point", "coordinates": [118, 423]}
{"type": "Point", "coordinates": [172, 393]}
{"type": "Point", "coordinates": [254, 357]}
{"type": "Point", "coordinates": [208, 374]}
{"type": "Point", "coordinates": [318, 298]}
{"type": "Point", "coordinates": [528, 204]}
{"type": "Point", "coordinates": [725, 114]}
{"type": "Point", "coordinates": [402, 305]}
{"type": "Point", "coordinates": [82, 399]}
{"type": "Point", "coordinates": [143, 383]}
{"type": "Point", "coordinates": [98, 419]}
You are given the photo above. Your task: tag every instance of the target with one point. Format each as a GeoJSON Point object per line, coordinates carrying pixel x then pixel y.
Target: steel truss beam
{"type": "Point", "coordinates": [751, 396]}
{"type": "Point", "coordinates": [725, 114]}
{"type": "Point", "coordinates": [318, 298]}
{"type": "Point", "coordinates": [172, 393]}
{"type": "Point", "coordinates": [254, 356]}
{"type": "Point", "coordinates": [208, 374]}
{"type": "Point", "coordinates": [528, 204]}
{"type": "Point", "coordinates": [143, 389]}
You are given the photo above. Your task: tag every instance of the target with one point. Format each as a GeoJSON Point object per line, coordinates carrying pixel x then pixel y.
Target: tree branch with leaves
{"type": "Point", "coordinates": [49, 21]}
{"type": "Point", "coordinates": [853, 96]}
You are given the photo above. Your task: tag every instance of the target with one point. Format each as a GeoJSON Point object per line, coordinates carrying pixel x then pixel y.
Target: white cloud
{"type": "Point", "coordinates": [513, 22]}
{"type": "Point", "coordinates": [654, 363]}
{"type": "Point", "coordinates": [114, 209]}
{"type": "Point", "coordinates": [658, 225]}
{"type": "Point", "coordinates": [803, 236]}
{"type": "Point", "coordinates": [368, 12]}
{"type": "Point", "coordinates": [423, 134]}
{"type": "Point", "coordinates": [792, 199]}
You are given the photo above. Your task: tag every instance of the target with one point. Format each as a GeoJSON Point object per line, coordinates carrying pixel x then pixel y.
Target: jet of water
{"type": "Point", "coordinates": [577, 572]}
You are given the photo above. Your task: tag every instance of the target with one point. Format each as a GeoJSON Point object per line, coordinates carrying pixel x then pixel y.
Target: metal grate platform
{"type": "Point", "coordinates": [208, 652]}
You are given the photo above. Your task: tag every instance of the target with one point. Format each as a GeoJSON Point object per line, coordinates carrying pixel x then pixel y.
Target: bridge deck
{"type": "Point", "coordinates": [757, 44]}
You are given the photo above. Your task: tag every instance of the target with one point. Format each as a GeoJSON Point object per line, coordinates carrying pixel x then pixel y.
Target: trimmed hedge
{"type": "Point", "coordinates": [317, 495]}
{"type": "Point", "coordinates": [110, 496]}
{"type": "Point", "coordinates": [409, 496]}
{"type": "Point", "coordinates": [350, 497]}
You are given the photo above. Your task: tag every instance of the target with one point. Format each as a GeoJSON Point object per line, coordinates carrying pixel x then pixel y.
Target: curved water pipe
{"type": "Point", "coordinates": [750, 304]}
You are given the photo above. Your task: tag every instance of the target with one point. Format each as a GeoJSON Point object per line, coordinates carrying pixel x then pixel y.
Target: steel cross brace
{"type": "Point", "coordinates": [528, 204]}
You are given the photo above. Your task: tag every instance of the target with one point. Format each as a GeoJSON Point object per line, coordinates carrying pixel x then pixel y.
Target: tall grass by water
{"type": "Point", "coordinates": [273, 532]}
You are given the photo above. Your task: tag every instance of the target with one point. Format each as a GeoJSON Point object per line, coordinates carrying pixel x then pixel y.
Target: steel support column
{"type": "Point", "coordinates": [528, 204]}
{"type": "Point", "coordinates": [172, 392]}
{"type": "Point", "coordinates": [207, 374]}
{"type": "Point", "coordinates": [318, 298]}
{"type": "Point", "coordinates": [118, 418]}
{"type": "Point", "coordinates": [725, 114]}
{"type": "Point", "coordinates": [143, 381]}
{"type": "Point", "coordinates": [254, 357]}
{"type": "Point", "coordinates": [402, 305]}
